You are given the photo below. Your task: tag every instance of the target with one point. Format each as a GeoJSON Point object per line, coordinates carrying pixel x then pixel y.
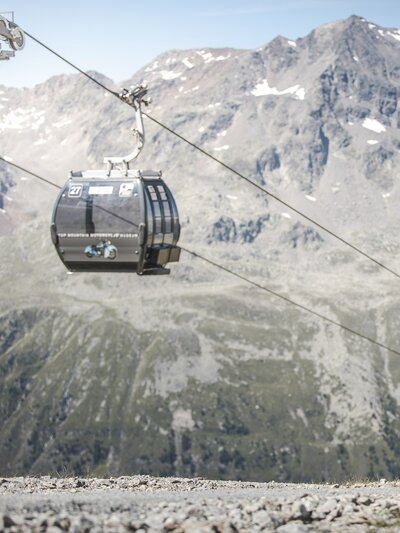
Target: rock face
{"type": "Point", "coordinates": [197, 373]}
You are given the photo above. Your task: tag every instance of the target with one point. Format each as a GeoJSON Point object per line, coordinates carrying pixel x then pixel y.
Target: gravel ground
{"type": "Point", "coordinates": [147, 504]}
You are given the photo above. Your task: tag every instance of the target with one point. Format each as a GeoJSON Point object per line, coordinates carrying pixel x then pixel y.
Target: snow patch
{"type": "Point", "coordinates": [187, 63]}
{"type": "Point", "coordinates": [230, 197]}
{"type": "Point", "coordinates": [169, 74]}
{"type": "Point", "coordinates": [221, 134]}
{"type": "Point", "coordinates": [263, 89]}
{"type": "Point", "coordinates": [7, 158]}
{"type": "Point", "coordinates": [372, 141]}
{"type": "Point", "coordinates": [208, 56]}
{"type": "Point", "coordinates": [386, 195]}
{"type": "Point", "coordinates": [356, 58]}
{"type": "Point", "coordinates": [292, 43]}
{"type": "Point", "coordinates": [5, 99]}
{"type": "Point", "coordinates": [311, 198]}
{"type": "Point", "coordinates": [286, 215]}
{"type": "Point", "coordinates": [220, 148]}
{"type": "Point", "coordinates": [201, 129]}
{"type": "Point", "coordinates": [152, 67]}
{"type": "Point", "coordinates": [191, 90]}
{"type": "Point", "coordinates": [62, 123]}
{"type": "Point", "coordinates": [39, 142]}
{"type": "Point", "coordinates": [373, 125]}
{"type": "Point", "coordinates": [19, 119]}
{"type": "Point", "coordinates": [38, 123]}
{"type": "Point", "coordinates": [395, 35]}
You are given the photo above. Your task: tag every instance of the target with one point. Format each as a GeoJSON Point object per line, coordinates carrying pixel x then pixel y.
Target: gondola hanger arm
{"type": "Point", "coordinates": [135, 96]}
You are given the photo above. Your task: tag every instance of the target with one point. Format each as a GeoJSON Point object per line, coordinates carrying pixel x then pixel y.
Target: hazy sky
{"type": "Point", "coordinates": [117, 38]}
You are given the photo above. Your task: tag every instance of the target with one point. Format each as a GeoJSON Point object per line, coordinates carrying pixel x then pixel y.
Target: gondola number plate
{"type": "Point", "coordinates": [75, 190]}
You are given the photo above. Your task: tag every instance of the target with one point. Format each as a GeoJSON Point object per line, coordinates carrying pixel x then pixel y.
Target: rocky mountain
{"type": "Point", "coordinates": [197, 373]}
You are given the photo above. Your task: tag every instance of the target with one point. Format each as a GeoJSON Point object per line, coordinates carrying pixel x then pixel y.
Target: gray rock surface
{"type": "Point", "coordinates": [143, 503]}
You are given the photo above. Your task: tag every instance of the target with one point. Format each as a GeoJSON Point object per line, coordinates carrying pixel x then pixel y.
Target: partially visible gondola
{"type": "Point", "coordinates": [12, 35]}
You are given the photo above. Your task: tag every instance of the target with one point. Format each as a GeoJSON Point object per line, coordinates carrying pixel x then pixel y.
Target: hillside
{"type": "Point", "coordinates": [196, 373]}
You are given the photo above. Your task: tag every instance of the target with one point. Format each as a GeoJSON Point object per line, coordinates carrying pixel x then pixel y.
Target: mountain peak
{"type": "Point", "coordinates": [351, 27]}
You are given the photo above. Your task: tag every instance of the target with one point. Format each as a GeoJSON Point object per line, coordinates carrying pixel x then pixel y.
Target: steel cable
{"type": "Point", "coordinates": [236, 274]}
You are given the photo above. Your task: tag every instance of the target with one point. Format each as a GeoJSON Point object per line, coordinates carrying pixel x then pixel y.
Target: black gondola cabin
{"type": "Point", "coordinates": [116, 221]}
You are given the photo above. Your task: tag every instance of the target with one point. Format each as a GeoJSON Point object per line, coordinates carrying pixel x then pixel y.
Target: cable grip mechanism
{"type": "Point", "coordinates": [135, 96]}
{"type": "Point", "coordinates": [13, 35]}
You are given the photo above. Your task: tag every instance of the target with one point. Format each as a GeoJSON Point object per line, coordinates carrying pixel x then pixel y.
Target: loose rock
{"type": "Point", "coordinates": [143, 504]}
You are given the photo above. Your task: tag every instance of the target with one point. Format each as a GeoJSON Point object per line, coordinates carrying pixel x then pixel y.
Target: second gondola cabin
{"type": "Point", "coordinates": [116, 221]}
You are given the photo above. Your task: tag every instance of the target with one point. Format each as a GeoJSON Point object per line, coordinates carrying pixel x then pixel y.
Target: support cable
{"type": "Point", "coordinates": [237, 275]}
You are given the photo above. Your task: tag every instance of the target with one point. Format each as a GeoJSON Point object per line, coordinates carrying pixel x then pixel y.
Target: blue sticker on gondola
{"type": "Point", "coordinates": [75, 190]}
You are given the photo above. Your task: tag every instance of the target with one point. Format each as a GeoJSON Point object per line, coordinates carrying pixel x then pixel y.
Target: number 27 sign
{"type": "Point", "coordinates": [75, 191]}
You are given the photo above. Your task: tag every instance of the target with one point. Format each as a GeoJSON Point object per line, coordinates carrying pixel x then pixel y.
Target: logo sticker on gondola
{"type": "Point", "coordinates": [126, 190]}
{"type": "Point", "coordinates": [100, 190]}
{"type": "Point", "coordinates": [75, 191]}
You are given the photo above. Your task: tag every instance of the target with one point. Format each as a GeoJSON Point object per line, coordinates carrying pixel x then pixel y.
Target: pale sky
{"type": "Point", "coordinates": [117, 38]}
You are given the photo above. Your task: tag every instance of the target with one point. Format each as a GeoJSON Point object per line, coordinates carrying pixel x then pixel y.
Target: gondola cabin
{"type": "Point", "coordinates": [116, 221]}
